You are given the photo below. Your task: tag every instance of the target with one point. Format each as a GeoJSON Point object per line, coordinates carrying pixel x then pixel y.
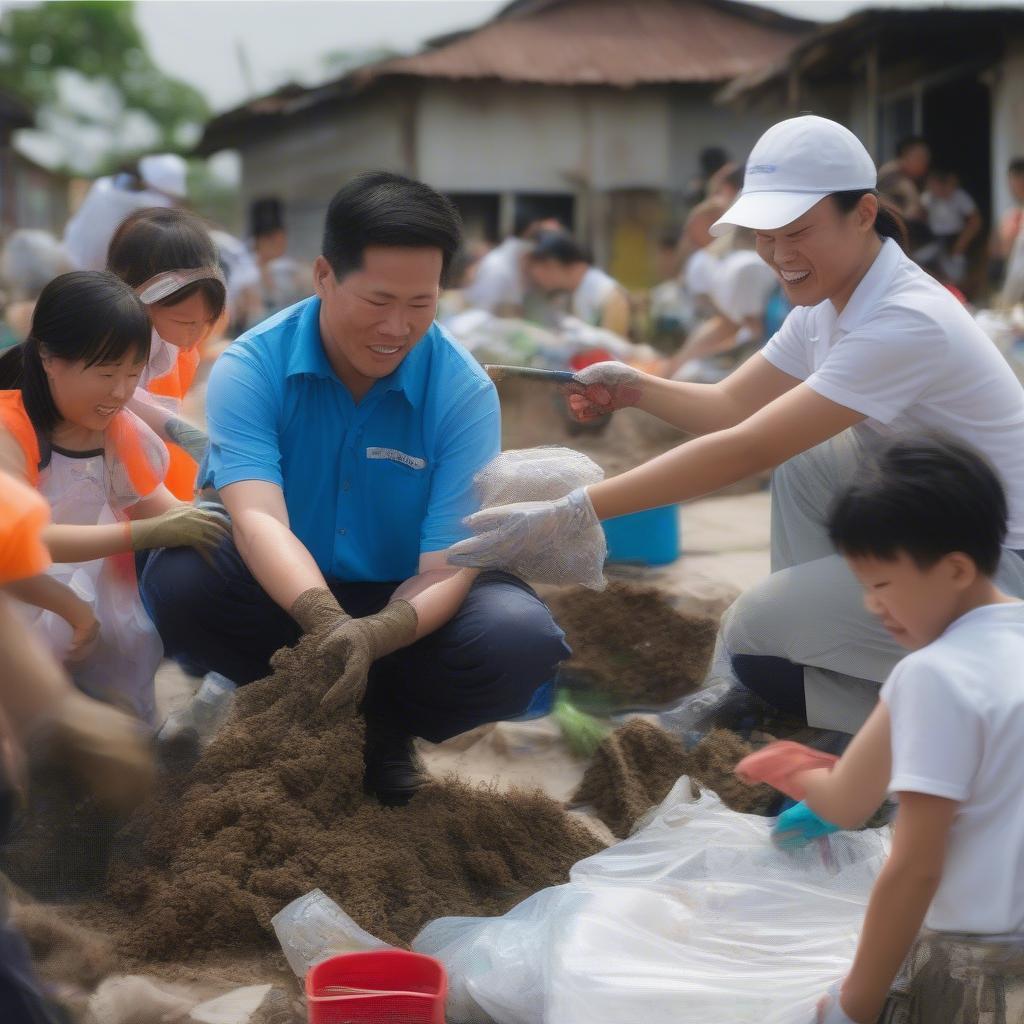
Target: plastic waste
{"type": "Point", "coordinates": [695, 919]}
{"type": "Point", "coordinates": [314, 928]}
{"type": "Point", "coordinates": [201, 719]}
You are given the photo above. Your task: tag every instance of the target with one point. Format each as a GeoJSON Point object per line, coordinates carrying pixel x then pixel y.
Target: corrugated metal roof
{"type": "Point", "coordinates": [621, 43]}
{"type": "Point", "coordinates": [618, 43]}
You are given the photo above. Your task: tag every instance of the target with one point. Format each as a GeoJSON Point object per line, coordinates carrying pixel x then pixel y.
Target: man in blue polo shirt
{"type": "Point", "coordinates": [344, 436]}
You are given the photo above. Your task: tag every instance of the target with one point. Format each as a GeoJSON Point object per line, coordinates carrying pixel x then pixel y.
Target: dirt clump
{"type": "Point", "coordinates": [637, 765]}
{"type": "Point", "coordinates": [275, 808]}
{"type": "Point", "coordinates": [63, 951]}
{"type": "Point", "coordinates": [630, 647]}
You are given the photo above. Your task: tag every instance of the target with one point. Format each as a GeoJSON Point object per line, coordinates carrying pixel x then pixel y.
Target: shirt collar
{"type": "Point", "coordinates": [307, 354]}
{"type": "Point", "coordinates": [873, 285]}
{"type": "Point", "coordinates": [308, 357]}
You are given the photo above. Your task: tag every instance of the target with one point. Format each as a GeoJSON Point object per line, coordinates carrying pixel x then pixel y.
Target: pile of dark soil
{"type": "Point", "coordinates": [275, 808]}
{"type": "Point", "coordinates": [630, 646]}
{"type": "Point", "coordinates": [635, 768]}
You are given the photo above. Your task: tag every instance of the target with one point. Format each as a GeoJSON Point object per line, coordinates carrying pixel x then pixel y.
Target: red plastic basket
{"type": "Point", "coordinates": [387, 986]}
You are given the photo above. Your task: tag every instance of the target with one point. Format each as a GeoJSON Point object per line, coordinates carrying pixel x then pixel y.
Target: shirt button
{"type": "Point", "coordinates": [342, 532]}
{"type": "Point", "coordinates": [346, 484]}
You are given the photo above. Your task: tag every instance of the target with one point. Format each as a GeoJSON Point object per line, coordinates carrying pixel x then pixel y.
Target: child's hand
{"type": "Point", "coordinates": [799, 825]}
{"type": "Point", "coordinates": [830, 1008]}
{"type": "Point", "coordinates": [85, 630]}
{"type": "Point", "coordinates": [780, 764]}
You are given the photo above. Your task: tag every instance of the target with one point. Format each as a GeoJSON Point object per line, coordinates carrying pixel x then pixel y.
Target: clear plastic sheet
{"type": "Point", "coordinates": [534, 474]}
{"type": "Point", "coordinates": [695, 919]}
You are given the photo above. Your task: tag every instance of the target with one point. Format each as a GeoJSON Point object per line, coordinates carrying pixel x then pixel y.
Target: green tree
{"type": "Point", "coordinates": [99, 41]}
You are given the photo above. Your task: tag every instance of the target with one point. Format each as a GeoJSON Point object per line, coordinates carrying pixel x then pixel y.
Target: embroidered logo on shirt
{"type": "Point", "coordinates": [394, 455]}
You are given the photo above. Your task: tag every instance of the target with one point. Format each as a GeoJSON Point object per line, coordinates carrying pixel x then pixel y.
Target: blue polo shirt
{"type": "Point", "coordinates": [369, 487]}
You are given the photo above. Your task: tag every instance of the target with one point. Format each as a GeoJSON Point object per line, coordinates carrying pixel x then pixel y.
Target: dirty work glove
{"type": "Point", "coordinates": [830, 1009]}
{"type": "Point", "coordinates": [186, 436]}
{"type": "Point", "coordinates": [603, 388]}
{"type": "Point", "coordinates": [317, 611]}
{"type": "Point", "coordinates": [780, 764]}
{"type": "Point", "coordinates": [180, 527]}
{"type": "Point", "coordinates": [799, 825]}
{"type": "Point", "coordinates": [358, 643]}
{"type": "Point", "coordinates": [104, 747]}
{"type": "Point", "coordinates": [540, 541]}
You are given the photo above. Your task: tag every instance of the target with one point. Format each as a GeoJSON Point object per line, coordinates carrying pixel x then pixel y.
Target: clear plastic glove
{"type": "Point", "coordinates": [540, 541]}
{"type": "Point", "coordinates": [358, 643]}
{"type": "Point", "coordinates": [830, 1009]}
{"type": "Point", "coordinates": [104, 747]}
{"type": "Point", "coordinates": [780, 765]}
{"type": "Point", "coordinates": [603, 388]}
{"type": "Point", "coordinates": [184, 435]}
{"type": "Point", "coordinates": [179, 527]}
{"type": "Point", "coordinates": [799, 825]}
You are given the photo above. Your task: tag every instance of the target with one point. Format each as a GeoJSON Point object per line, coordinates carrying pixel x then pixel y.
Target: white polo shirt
{"type": "Point", "coordinates": [957, 714]}
{"type": "Point", "coordinates": [592, 295]}
{"type": "Point", "coordinates": [909, 357]}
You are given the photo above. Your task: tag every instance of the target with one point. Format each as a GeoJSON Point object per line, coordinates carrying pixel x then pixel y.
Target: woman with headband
{"type": "Point", "coordinates": [64, 430]}
{"type": "Point", "coordinates": [168, 257]}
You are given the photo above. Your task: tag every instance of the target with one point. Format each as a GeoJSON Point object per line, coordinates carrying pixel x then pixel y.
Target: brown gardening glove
{"type": "Point", "coordinates": [357, 643]}
{"type": "Point", "coordinates": [101, 746]}
{"type": "Point", "coordinates": [181, 526]}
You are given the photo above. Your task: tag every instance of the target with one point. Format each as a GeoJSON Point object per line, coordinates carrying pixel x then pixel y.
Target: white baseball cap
{"type": "Point", "coordinates": [165, 172]}
{"type": "Point", "coordinates": [794, 165]}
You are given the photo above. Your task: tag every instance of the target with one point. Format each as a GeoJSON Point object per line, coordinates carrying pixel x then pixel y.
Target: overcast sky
{"type": "Point", "coordinates": [208, 42]}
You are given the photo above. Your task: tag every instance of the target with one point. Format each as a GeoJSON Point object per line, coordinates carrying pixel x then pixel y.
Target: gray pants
{"type": "Point", "coordinates": [810, 610]}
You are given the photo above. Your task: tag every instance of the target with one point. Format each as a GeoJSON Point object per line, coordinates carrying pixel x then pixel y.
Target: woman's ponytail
{"type": "Point", "coordinates": [21, 369]}
{"type": "Point", "coordinates": [889, 222]}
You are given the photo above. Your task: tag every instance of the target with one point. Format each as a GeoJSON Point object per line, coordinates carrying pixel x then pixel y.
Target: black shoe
{"type": "Point", "coordinates": [393, 773]}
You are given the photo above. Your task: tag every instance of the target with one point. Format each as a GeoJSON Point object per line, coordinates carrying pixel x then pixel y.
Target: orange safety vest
{"type": "Point", "coordinates": [122, 439]}
{"type": "Point", "coordinates": [23, 516]}
{"type": "Point", "coordinates": [182, 472]}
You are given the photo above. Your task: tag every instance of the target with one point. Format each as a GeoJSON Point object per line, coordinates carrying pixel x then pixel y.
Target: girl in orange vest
{"type": "Point", "coordinates": [39, 708]}
{"type": "Point", "coordinates": [65, 430]}
{"type": "Point", "coordinates": [168, 257]}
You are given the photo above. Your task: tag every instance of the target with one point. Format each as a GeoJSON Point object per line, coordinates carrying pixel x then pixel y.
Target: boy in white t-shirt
{"type": "Point", "coordinates": [954, 221]}
{"type": "Point", "coordinates": [922, 528]}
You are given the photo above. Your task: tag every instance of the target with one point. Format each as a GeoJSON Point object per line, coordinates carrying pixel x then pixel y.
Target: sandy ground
{"type": "Point", "coordinates": [725, 544]}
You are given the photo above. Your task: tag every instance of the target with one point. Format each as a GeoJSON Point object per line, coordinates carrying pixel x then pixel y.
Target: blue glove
{"type": "Point", "coordinates": [798, 826]}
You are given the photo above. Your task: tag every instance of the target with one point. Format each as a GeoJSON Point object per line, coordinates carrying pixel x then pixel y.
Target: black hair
{"type": "Point", "coordinates": [266, 216]}
{"type": "Point", "coordinates": [381, 208]}
{"type": "Point", "coordinates": [158, 239]}
{"type": "Point", "coordinates": [1016, 165]}
{"type": "Point", "coordinates": [87, 315]}
{"type": "Point", "coordinates": [888, 222]}
{"type": "Point", "coordinates": [909, 142]}
{"type": "Point", "coordinates": [559, 246]}
{"type": "Point", "coordinates": [711, 159]}
{"type": "Point", "coordinates": [926, 496]}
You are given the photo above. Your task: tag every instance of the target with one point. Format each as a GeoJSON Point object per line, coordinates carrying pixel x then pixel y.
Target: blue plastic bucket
{"type": "Point", "coordinates": [647, 538]}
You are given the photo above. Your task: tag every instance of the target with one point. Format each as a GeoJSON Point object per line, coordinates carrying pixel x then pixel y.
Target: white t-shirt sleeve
{"type": "Point", "coordinates": [883, 367]}
{"type": "Point", "coordinates": [788, 348]}
{"type": "Point", "coordinates": [937, 735]}
{"type": "Point", "coordinates": [964, 203]}
{"type": "Point", "coordinates": [742, 289]}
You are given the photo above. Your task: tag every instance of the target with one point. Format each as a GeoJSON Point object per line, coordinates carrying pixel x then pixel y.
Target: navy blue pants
{"type": "Point", "coordinates": [482, 666]}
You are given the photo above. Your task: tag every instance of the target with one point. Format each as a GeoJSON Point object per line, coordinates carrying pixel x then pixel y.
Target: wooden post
{"type": "Point", "coordinates": [871, 84]}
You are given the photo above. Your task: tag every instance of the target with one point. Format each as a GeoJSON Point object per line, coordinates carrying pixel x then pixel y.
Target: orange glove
{"type": "Point", "coordinates": [779, 764]}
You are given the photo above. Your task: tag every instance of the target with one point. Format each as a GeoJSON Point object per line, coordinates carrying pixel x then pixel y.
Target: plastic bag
{"type": "Point", "coordinates": [695, 919]}
{"type": "Point", "coordinates": [313, 928]}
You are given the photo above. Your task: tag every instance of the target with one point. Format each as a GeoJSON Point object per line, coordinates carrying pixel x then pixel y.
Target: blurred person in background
{"type": "Point", "coordinates": [1010, 226]}
{"type": "Point", "coordinates": [741, 285]}
{"type": "Point", "coordinates": [954, 222]}
{"type": "Point", "coordinates": [169, 259]}
{"type": "Point", "coordinates": [901, 182]}
{"type": "Point", "coordinates": [558, 264]}
{"type": "Point", "coordinates": [65, 430]}
{"type": "Point", "coordinates": [726, 183]}
{"type": "Point", "coordinates": [710, 159]}
{"type": "Point", "coordinates": [283, 279]}
{"type": "Point", "coordinates": [31, 260]}
{"type": "Point", "coordinates": [156, 180]}
{"type": "Point", "coordinates": [701, 255]}
{"type": "Point", "coordinates": [43, 714]}
{"type": "Point", "coordinates": [499, 284]}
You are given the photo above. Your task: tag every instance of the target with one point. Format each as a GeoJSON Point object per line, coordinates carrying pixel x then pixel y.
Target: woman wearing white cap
{"type": "Point", "coordinates": [873, 347]}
